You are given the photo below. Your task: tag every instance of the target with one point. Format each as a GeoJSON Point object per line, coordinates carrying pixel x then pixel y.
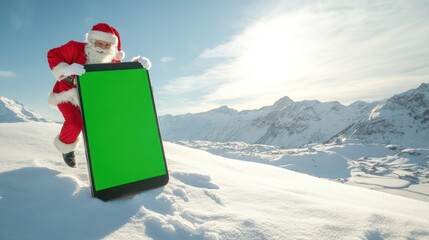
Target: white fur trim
{"type": "Point", "coordinates": [102, 36]}
{"type": "Point", "coordinates": [64, 147]}
{"type": "Point", "coordinates": [120, 55]}
{"type": "Point", "coordinates": [135, 59]}
{"type": "Point", "coordinates": [67, 96]}
{"type": "Point", "coordinates": [57, 71]}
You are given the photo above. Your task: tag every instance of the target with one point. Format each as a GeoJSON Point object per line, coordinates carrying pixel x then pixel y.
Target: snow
{"type": "Point", "coordinates": [389, 168]}
{"type": "Point", "coordinates": [208, 197]}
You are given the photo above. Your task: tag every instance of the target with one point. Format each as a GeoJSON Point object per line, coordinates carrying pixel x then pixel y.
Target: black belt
{"type": "Point", "coordinates": [72, 80]}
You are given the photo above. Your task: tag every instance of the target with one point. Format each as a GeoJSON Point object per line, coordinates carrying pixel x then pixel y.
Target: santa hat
{"type": "Point", "coordinates": [105, 32]}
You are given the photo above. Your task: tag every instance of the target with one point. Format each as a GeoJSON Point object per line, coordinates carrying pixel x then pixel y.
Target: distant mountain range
{"type": "Point", "coordinates": [12, 111]}
{"type": "Point", "coordinates": [401, 119]}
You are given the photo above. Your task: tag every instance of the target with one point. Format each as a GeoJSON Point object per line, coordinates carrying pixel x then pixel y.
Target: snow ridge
{"type": "Point", "coordinates": [12, 111]}
{"type": "Point", "coordinates": [402, 119]}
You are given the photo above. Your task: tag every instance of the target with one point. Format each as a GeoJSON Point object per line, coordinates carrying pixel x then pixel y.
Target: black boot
{"type": "Point", "coordinates": [69, 159]}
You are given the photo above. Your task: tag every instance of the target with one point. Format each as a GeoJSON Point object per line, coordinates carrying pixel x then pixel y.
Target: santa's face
{"type": "Point", "coordinates": [98, 51]}
{"type": "Point", "coordinates": [102, 44]}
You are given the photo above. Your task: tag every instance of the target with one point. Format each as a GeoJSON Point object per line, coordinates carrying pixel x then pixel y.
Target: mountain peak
{"type": "Point", "coordinates": [13, 111]}
{"type": "Point", "coordinates": [283, 101]}
{"type": "Point", "coordinates": [224, 109]}
{"type": "Point", "coordinates": [424, 86]}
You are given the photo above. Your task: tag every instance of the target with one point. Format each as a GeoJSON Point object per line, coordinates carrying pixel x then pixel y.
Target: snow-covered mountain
{"type": "Point", "coordinates": [402, 119]}
{"type": "Point", "coordinates": [12, 111]}
{"type": "Point", "coordinates": [286, 123]}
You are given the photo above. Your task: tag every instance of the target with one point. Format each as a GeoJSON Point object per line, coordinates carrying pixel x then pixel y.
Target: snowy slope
{"type": "Point", "coordinates": [402, 119]}
{"type": "Point", "coordinates": [12, 111]}
{"type": "Point", "coordinates": [208, 197]}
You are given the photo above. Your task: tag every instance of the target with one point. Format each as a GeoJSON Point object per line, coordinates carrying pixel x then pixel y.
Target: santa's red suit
{"type": "Point", "coordinates": [64, 94]}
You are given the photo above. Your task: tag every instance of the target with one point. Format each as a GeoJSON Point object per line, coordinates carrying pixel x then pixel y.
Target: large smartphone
{"type": "Point", "coordinates": [121, 133]}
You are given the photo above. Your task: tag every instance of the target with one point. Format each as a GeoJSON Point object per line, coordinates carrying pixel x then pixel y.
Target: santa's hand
{"type": "Point", "coordinates": [145, 62]}
{"type": "Point", "coordinates": [73, 69]}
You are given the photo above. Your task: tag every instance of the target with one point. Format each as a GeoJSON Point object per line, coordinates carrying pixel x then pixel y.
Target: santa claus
{"type": "Point", "coordinates": [102, 45]}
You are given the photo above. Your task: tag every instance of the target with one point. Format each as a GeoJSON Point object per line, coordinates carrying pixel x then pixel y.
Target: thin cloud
{"type": "Point", "coordinates": [7, 74]}
{"type": "Point", "coordinates": [21, 15]}
{"type": "Point", "coordinates": [330, 51]}
{"type": "Point", "coordinates": [167, 59]}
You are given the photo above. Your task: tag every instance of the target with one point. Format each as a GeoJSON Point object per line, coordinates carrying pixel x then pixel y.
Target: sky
{"type": "Point", "coordinates": [243, 54]}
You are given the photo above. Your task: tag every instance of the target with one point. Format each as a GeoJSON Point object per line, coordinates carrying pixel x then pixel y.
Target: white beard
{"type": "Point", "coordinates": [98, 55]}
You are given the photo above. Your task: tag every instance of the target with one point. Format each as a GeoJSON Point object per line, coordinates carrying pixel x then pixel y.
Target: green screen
{"type": "Point", "coordinates": [123, 142]}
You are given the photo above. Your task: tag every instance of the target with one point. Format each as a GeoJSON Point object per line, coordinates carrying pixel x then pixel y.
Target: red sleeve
{"type": "Point", "coordinates": [60, 54]}
{"type": "Point", "coordinates": [63, 56]}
